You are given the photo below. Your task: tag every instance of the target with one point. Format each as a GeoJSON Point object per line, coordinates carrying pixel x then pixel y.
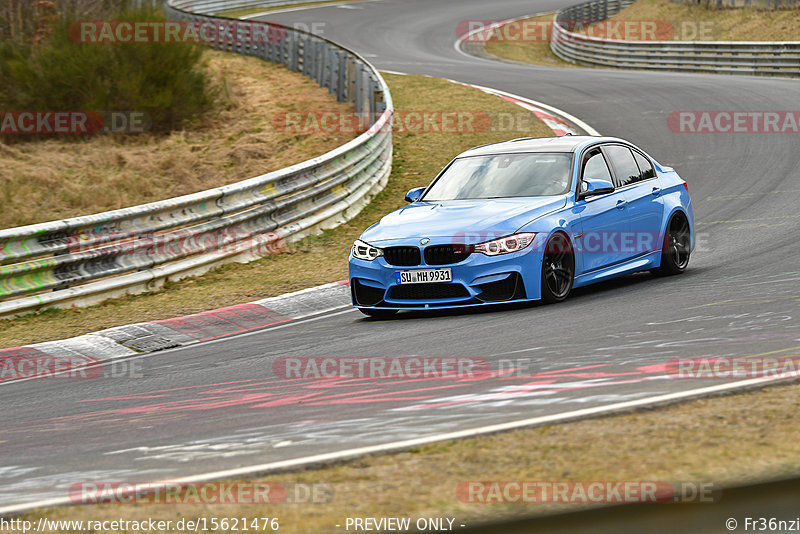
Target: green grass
{"type": "Point", "coordinates": [166, 81]}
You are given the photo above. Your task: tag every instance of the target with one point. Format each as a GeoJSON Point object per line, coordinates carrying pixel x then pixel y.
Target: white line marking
{"type": "Point", "coordinates": [409, 443]}
{"type": "Point", "coordinates": [558, 112]}
{"type": "Point", "coordinates": [277, 326]}
{"type": "Point", "coordinates": [301, 8]}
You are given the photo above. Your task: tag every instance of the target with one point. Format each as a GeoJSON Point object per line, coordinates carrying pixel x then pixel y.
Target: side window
{"type": "Point", "coordinates": [625, 168]}
{"type": "Point", "coordinates": [594, 166]}
{"type": "Point", "coordinates": [645, 166]}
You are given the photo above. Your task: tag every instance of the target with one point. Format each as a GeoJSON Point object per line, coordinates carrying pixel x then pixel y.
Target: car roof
{"type": "Point", "coordinates": [565, 143]}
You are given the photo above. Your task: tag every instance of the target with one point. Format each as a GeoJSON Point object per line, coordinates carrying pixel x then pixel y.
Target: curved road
{"type": "Point", "coordinates": [217, 406]}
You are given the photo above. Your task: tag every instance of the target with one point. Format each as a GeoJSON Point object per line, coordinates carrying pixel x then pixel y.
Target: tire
{"type": "Point", "coordinates": [558, 269]}
{"type": "Point", "coordinates": [378, 314]}
{"type": "Point", "coordinates": [676, 248]}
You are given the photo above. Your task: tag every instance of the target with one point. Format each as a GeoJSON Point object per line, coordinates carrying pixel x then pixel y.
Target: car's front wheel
{"type": "Point", "coordinates": [676, 247]}
{"type": "Point", "coordinates": [558, 269]}
{"type": "Point", "coordinates": [377, 313]}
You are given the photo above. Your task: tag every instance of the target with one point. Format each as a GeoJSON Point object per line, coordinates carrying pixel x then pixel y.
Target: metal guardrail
{"type": "Point", "coordinates": [765, 58]}
{"type": "Point", "coordinates": [87, 259]}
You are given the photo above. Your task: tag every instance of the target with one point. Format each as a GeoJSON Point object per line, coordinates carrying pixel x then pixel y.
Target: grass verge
{"type": "Point", "coordinates": [724, 440]}
{"type": "Point", "coordinates": [536, 51]}
{"type": "Point", "coordinates": [54, 178]}
{"type": "Point", "coordinates": [696, 22]}
{"type": "Point", "coordinates": [672, 22]}
{"type": "Point", "coordinates": [318, 259]}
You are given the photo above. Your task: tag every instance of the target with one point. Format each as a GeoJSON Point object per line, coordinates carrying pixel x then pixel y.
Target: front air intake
{"type": "Point", "coordinates": [402, 256]}
{"type": "Point", "coordinates": [364, 295]}
{"type": "Point", "coordinates": [509, 288]}
{"type": "Point", "coordinates": [428, 291]}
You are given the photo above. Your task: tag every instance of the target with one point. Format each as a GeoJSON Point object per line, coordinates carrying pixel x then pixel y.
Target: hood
{"type": "Point", "coordinates": [462, 218]}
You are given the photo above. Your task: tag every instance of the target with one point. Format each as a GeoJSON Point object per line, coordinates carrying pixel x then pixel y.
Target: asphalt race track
{"type": "Point", "coordinates": [217, 405]}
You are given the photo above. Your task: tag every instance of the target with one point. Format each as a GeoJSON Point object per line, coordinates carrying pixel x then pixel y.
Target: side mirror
{"type": "Point", "coordinates": [414, 194]}
{"type": "Point", "coordinates": [595, 186]}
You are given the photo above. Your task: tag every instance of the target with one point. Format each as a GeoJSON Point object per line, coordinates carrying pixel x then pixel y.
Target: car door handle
{"type": "Point", "coordinates": [621, 204]}
{"type": "Point", "coordinates": [656, 191]}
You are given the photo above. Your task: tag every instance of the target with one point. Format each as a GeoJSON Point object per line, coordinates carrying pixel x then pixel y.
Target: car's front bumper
{"type": "Point", "coordinates": [477, 280]}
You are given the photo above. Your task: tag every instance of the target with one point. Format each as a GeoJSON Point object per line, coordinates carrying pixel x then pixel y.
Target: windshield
{"type": "Point", "coordinates": [503, 175]}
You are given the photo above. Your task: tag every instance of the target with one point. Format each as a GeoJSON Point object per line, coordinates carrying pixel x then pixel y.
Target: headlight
{"type": "Point", "coordinates": [505, 245]}
{"type": "Point", "coordinates": [365, 251]}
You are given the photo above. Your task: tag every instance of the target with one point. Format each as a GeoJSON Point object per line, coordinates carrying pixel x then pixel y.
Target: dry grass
{"type": "Point", "coordinates": [56, 178]}
{"type": "Point", "coordinates": [695, 22]}
{"type": "Point", "coordinates": [312, 261]}
{"type": "Point", "coordinates": [725, 441]}
{"type": "Point", "coordinates": [535, 51]}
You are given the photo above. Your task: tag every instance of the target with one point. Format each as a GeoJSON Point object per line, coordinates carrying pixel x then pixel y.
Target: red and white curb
{"type": "Point", "coordinates": [559, 126]}
{"type": "Point", "coordinates": [45, 359]}
{"type": "Point", "coordinates": [558, 120]}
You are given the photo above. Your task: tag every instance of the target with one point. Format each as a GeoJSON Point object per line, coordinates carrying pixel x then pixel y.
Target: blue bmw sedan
{"type": "Point", "coordinates": [526, 219]}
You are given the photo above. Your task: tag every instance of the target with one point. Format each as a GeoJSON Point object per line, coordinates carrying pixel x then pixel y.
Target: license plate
{"type": "Point", "coordinates": [424, 276]}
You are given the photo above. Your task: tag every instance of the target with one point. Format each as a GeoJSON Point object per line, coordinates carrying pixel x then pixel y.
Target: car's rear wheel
{"type": "Point", "coordinates": [676, 248]}
{"type": "Point", "coordinates": [378, 314]}
{"type": "Point", "coordinates": [558, 269]}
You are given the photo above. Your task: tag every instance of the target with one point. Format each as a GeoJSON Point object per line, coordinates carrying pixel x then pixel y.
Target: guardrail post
{"type": "Point", "coordinates": [285, 49]}
{"type": "Point", "coordinates": [266, 50]}
{"type": "Point", "coordinates": [334, 76]}
{"type": "Point", "coordinates": [307, 59]}
{"type": "Point", "coordinates": [276, 39]}
{"type": "Point", "coordinates": [295, 45]}
{"type": "Point", "coordinates": [371, 99]}
{"type": "Point", "coordinates": [350, 79]}
{"type": "Point", "coordinates": [358, 101]}
{"type": "Point", "coordinates": [341, 93]}
{"type": "Point", "coordinates": [320, 63]}
{"type": "Point", "coordinates": [326, 68]}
